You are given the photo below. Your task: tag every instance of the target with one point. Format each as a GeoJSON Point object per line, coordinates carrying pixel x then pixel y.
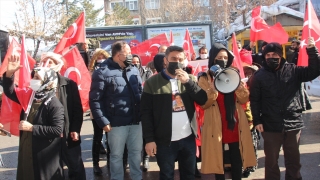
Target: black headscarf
{"type": "Point", "coordinates": [158, 61]}
{"type": "Point", "coordinates": [229, 100]}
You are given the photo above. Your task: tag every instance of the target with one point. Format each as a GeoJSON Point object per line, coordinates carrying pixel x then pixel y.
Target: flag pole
{"type": "Point", "coordinates": [309, 17]}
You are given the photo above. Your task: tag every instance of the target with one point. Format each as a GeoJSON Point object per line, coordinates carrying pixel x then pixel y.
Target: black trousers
{"type": "Point", "coordinates": [235, 160]}
{"type": "Point", "coordinates": [73, 159]}
{"type": "Point", "coordinates": [290, 142]}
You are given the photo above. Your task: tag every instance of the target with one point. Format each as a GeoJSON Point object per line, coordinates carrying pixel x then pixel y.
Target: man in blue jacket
{"type": "Point", "coordinates": [114, 102]}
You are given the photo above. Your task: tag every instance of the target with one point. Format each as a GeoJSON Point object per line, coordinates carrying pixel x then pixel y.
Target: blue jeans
{"type": "Point", "coordinates": [118, 137]}
{"type": "Point", "coordinates": [185, 151]}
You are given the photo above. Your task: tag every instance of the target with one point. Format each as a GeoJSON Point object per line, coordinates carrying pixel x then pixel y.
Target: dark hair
{"type": "Point", "coordinates": [173, 48]}
{"type": "Point", "coordinates": [203, 47]}
{"type": "Point", "coordinates": [117, 47]}
{"type": "Point", "coordinates": [296, 41]}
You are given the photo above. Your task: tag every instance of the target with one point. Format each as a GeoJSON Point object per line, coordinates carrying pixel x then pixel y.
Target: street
{"type": "Point", "coordinates": [309, 148]}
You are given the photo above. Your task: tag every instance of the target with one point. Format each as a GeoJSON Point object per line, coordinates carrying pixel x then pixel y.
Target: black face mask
{"type": "Point", "coordinates": [172, 66]}
{"type": "Point", "coordinates": [221, 63]}
{"type": "Point", "coordinates": [128, 60]}
{"type": "Point", "coordinates": [273, 63]}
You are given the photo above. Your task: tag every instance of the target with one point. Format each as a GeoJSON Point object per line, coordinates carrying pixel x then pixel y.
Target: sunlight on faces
{"type": "Point", "coordinates": [175, 56]}
{"type": "Point", "coordinates": [47, 62]}
{"type": "Point", "coordinates": [203, 51]}
{"type": "Point", "coordinates": [125, 51]}
{"type": "Point", "coordinates": [162, 49]}
{"type": "Point", "coordinates": [222, 55]}
{"type": "Point", "coordinates": [135, 61]}
{"type": "Point", "coordinates": [101, 57]}
{"type": "Point", "coordinates": [272, 55]}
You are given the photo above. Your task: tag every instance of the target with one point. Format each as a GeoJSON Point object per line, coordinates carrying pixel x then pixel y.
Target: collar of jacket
{"type": "Point", "coordinates": [110, 62]}
{"type": "Point", "coordinates": [61, 80]}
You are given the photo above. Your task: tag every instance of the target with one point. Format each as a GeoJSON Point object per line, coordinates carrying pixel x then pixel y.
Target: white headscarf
{"type": "Point", "coordinates": [57, 58]}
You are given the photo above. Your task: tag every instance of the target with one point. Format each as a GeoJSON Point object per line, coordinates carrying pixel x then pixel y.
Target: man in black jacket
{"type": "Point", "coordinates": [276, 107]}
{"type": "Point", "coordinates": [295, 46]}
{"type": "Point", "coordinates": [68, 94]}
{"type": "Point", "coordinates": [168, 116]}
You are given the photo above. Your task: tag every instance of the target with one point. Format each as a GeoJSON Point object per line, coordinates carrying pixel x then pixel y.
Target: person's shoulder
{"type": "Point", "coordinates": [55, 103]}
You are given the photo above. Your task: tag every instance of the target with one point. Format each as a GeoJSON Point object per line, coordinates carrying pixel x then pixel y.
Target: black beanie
{"type": "Point", "coordinates": [273, 47]}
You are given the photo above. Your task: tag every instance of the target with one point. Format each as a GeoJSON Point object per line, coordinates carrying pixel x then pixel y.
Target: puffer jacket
{"type": "Point", "coordinates": [115, 95]}
{"type": "Point", "coordinates": [274, 95]}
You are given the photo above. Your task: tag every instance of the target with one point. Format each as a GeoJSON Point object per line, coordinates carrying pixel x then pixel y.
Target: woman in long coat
{"type": "Point", "coordinates": [40, 141]}
{"type": "Point", "coordinates": [219, 133]}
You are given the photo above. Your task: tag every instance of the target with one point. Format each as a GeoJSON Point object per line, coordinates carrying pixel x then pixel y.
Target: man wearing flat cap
{"type": "Point", "coordinates": [276, 107]}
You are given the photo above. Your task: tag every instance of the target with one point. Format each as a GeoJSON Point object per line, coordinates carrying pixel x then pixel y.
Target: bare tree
{"type": "Point", "coordinates": [39, 20]}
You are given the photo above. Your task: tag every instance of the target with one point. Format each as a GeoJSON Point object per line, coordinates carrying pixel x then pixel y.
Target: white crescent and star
{"type": "Point", "coordinates": [253, 27]}
{"type": "Point", "coordinates": [75, 28]}
{"type": "Point", "coordinates": [69, 70]}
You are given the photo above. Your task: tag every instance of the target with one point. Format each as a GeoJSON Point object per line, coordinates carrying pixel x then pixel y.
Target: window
{"type": "Point", "coordinates": [132, 5]}
{"type": "Point", "coordinates": [114, 3]}
{"type": "Point", "coordinates": [152, 4]}
{"type": "Point", "coordinates": [153, 20]}
{"type": "Point", "coordinates": [201, 3]}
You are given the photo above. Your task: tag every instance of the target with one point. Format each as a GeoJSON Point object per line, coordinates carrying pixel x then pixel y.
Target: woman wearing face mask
{"type": "Point", "coordinates": [98, 57]}
{"type": "Point", "coordinates": [40, 141]}
{"type": "Point", "coordinates": [225, 131]}
{"type": "Point", "coordinates": [144, 72]}
{"type": "Point", "coordinates": [96, 61]}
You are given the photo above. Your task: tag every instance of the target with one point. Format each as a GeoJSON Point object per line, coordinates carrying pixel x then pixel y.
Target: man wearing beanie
{"type": "Point", "coordinates": [68, 94]}
{"type": "Point", "coordinates": [276, 107]}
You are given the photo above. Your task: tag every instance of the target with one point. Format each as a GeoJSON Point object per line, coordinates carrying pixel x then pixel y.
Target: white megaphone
{"type": "Point", "coordinates": [225, 80]}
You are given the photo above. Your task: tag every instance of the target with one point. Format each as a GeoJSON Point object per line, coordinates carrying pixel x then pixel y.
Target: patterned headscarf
{"type": "Point", "coordinates": [49, 85]}
{"type": "Point", "coordinates": [57, 58]}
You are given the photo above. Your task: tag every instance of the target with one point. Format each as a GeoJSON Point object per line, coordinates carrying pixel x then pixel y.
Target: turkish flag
{"type": "Point", "coordinates": [187, 45]}
{"type": "Point", "coordinates": [74, 34]}
{"type": "Point", "coordinates": [149, 48]}
{"type": "Point", "coordinates": [246, 57]}
{"type": "Point", "coordinates": [237, 61]}
{"type": "Point", "coordinates": [10, 115]}
{"type": "Point", "coordinates": [310, 22]}
{"type": "Point", "coordinates": [78, 72]}
{"type": "Point", "coordinates": [14, 49]}
{"type": "Point", "coordinates": [23, 91]}
{"type": "Point", "coordinates": [261, 31]}
{"type": "Point", "coordinates": [171, 39]}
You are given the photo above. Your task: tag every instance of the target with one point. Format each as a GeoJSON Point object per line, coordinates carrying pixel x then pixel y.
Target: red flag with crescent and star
{"type": "Point", "coordinates": [188, 46]}
{"type": "Point", "coordinates": [74, 34]}
{"type": "Point", "coordinates": [10, 110]}
{"type": "Point", "coordinates": [149, 48]}
{"type": "Point", "coordinates": [310, 22]}
{"type": "Point", "coordinates": [78, 72]}
{"type": "Point", "coordinates": [260, 30]}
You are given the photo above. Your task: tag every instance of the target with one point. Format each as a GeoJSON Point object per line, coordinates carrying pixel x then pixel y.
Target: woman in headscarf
{"type": "Point", "coordinates": [225, 130]}
{"type": "Point", "coordinates": [40, 133]}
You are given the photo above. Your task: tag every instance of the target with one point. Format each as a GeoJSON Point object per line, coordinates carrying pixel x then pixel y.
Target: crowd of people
{"type": "Point", "coordinates": [162, 110]}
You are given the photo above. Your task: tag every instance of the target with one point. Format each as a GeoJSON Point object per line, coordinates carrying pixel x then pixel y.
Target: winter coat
{"type": "Point", "coordinates": [275, 95]}
{"type": "Point", "coordinates": [115, 95]}
{"type": "Point", "coordinates": [211, 149]}
{"type": "Point", "coordinates": [156, 107]}
{"type": "Point", "coordinates": [70, 98]}
{"type": "Point", "coordinates": [46, 141]}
